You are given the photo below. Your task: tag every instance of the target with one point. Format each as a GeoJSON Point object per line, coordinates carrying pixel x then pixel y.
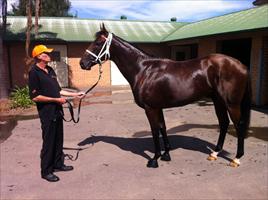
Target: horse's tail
{"type": "Point", "coordinates": [245, 108]}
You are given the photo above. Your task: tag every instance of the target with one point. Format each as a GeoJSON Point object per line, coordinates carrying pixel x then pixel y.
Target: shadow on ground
{"type": "Point", "coordinates": [139, 144]}
{"type": "Point", "coordinates": [256, 132]}
{"type": "Point", "coordinates": [142, 142]}
{"type": "Point", "coordinates": [8, 123]}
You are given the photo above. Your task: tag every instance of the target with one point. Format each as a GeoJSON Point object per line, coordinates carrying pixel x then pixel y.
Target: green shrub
{"type": "Point", "coordinates": [20, 98]}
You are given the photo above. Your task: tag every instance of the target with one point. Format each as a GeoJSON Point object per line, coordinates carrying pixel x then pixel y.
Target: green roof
{"type": "Point", "coordinates": [83, 30]}
{"type": "Point", "coordinates": [73, 29]}
{"type": "Point", "coordinates": [255, 18]}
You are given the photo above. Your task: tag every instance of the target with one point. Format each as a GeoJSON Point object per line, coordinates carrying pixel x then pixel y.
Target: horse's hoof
{"type": "Point", "coordinates": [165, 157]}
{"type": "Point", "coordinates": [234, 163]}
{"type": "Point", "coordinates": [152, 163]}
{"type": "Point", "coordinates": [211, 158]}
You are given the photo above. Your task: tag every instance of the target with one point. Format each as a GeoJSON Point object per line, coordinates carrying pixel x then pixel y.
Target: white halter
{"type": "Point", "coordinates": [103, 52]}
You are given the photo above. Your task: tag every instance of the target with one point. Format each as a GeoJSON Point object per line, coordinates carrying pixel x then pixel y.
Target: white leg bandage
{"type": "Point", "coordinates": [236, 161]}
{"type": "Point", "coordinates": [214, 154]}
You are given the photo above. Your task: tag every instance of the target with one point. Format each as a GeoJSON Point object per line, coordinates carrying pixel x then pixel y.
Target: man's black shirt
{"type": "Point", "coordinates": [45, 84]}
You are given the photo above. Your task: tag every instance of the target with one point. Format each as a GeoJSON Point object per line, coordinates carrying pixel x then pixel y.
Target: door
{"type": "Point", "coordinates": [60, 63]}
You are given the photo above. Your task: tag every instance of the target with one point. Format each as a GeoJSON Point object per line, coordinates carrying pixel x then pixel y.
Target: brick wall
{"type": "Point", "coordinates": [254, 66]}
{"type": "Point", "coordinates": [157, 50]}
{"type": "Point", "coordinates": [5, 81]}
{"type": "Point", "coordinates": [264, 89]}
{"type": "Point", "coordinates": [17, 63]}
{"type": "Point", "coordinates": [206, 47]}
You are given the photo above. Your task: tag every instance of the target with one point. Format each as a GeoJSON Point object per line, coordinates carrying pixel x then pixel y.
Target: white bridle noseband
{"type": "Point", "coordinates": [103, 52]}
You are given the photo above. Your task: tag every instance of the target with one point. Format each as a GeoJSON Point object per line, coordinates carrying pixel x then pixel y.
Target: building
{"type": "Point", "coordinates": [243, 35]}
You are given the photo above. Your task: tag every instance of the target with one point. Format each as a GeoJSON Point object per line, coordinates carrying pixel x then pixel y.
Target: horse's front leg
{"type": "Point", "coordinates": [153, 117]}
{"type": "Point", "coordinates": [165, 156]}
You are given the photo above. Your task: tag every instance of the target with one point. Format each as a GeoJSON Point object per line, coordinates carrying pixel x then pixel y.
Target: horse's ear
{"type": "Point", "coordinates": [103, 27]}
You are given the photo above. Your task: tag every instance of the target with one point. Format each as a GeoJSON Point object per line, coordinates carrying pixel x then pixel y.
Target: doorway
{"type": "Point", "coordinates": [184, 52]}
{"type": "Point", "coordinates": [238, 48]}
{"type": "Point", "coordinates": [60, 64]}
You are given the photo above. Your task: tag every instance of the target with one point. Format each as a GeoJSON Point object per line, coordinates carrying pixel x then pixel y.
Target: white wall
{"type": "Point", "coordinates": [116, 77]}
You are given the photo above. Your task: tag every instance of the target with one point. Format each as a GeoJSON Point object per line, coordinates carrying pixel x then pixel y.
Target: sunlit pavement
{"type": "Point", "coordinates": [110, 146]}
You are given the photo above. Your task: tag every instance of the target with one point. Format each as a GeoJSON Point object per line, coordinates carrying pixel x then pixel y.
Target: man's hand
{"type": "Point", "coordinates": [81, 95]}
{"type": "Point", "coordinates": [61, 100]}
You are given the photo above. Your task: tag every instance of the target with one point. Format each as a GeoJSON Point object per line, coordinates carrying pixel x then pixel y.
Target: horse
{"type": "Point", "coordinates": [159, 83]}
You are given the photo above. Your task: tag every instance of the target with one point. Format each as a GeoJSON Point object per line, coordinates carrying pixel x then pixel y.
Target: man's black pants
{"type": "Point", "coordinates": [52, 149]}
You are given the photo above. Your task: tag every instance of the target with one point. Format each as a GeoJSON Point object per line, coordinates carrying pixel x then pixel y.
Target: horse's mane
{"type": "Point", "coordinates": [136, 47]}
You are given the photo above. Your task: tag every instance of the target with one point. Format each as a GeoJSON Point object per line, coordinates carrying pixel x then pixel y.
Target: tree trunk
{"type": "Point", "coordinates": [4, 76]}
{"type": "Point", "coordinates": [29, 27]}
{"type": "Point", "coordinates": [37, 11]}
{"type": "Point", "coordinates": [28, 38]}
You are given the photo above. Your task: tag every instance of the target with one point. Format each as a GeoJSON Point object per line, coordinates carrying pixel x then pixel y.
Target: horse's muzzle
{"type": "Point", "coordinates": [85, 65]}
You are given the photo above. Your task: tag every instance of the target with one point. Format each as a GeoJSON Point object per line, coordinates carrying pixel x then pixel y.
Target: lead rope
{"type": "Point", "coordinates": [70, 106]}
{"type": "Point", "coordinates": [98, 57]}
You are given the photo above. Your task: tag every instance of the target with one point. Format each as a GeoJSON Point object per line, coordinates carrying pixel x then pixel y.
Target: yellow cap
{"type": "Point", "coordinates": [40, 49]}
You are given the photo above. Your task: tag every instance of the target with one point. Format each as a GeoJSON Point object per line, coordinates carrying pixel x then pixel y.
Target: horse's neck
{"type": "Point", "coordinates": [127, 58]}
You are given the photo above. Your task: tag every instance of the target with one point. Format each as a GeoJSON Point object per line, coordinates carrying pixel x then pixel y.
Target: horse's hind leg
{"type": "Point", "coordinates": [222, 115]}
{"type": "Point", "coordinates": [235, 114]}
{"type": "Point", "coordinates": [165, 156]}
{"type": "Point", "coordinates": [154, 120]}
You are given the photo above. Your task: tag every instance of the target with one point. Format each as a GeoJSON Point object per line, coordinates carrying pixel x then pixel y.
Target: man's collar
{"type": "Point", "coordinates": [38, 68]}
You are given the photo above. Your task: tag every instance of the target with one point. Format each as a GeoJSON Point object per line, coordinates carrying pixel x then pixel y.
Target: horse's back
{"type": "Point", "coordinates": [168, 83]}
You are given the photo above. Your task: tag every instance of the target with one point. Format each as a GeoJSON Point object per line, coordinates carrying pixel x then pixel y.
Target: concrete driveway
{"type": "Point", "coordinates": [110, 146]}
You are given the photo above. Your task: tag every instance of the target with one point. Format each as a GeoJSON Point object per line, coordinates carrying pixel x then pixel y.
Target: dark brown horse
{"type": "Point", "coordinates": [162, 83]}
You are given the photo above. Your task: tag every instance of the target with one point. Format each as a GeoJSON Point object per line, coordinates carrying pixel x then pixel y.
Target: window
{"type": "Point", "coordinates": [55, 56]}
{"type": "Point", "coordinates": [184, 52]}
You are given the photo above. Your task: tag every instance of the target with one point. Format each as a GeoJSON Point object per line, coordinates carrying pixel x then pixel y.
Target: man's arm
{"type": "Point", "coordinates": [41, 98]}
{"type": "Point", "coordinates": [72, 94]}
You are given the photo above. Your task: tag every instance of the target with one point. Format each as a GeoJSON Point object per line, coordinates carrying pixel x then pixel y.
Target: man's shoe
{"type": "Point", "coordinates": [51, 177]}
{"type": "Point", "coordinates": [63, 168]}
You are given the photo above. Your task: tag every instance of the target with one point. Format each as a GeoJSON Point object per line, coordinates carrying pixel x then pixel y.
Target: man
{"type": "Point", "coordinates": [46, 93]}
